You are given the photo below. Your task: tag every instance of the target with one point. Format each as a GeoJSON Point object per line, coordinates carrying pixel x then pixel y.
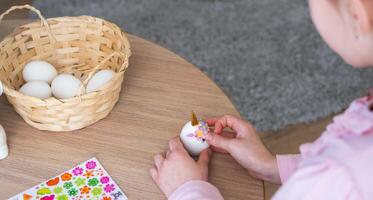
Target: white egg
{"type": "Point", "coordinates": [39, 71]}
{"type": "Point", "coordinates": [99, 79]}
{"type": "Point", "coordinates": [38, 89]}
{"type": "Point", "coordinates": [3, 145]}
{"type": "Point", "coordinates": [193, 137]}
{"type": "Point", "coordinates": [66, 86]}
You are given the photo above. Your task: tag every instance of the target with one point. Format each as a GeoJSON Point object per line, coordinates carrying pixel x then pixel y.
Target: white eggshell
{"type": "Point", "coordinates": [99, 79]}
{"type": "Point", "coordinates": [38, 89]}
{"type": "Point", "coordinates": [39, 71]}
{"type": "Point", "coordinates": [66, 86]}
{"type": "Point", "coordinates": [193, 137]}
{"type": "Point", "coordinates": [3, 144]}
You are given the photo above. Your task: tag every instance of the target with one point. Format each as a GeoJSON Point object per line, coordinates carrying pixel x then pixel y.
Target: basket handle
{"type": "Point", "coordinates": [43, 20]}
{"type": "Point", "coordinates": [99, 66]}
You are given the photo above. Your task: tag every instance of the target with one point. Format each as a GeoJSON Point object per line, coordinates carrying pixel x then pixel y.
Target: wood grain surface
{"type": "Point", "coordinates": [159, 92]}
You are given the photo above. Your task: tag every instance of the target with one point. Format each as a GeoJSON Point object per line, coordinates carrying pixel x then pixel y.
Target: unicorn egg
{"type": "Point", "coordinates": [193, 137]}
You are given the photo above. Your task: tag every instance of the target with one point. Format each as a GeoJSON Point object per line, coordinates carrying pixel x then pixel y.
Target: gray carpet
{"type": "Point", "coordinates": [265, 55]}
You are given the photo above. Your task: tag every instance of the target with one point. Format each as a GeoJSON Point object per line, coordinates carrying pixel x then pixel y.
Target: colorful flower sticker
{"type": "Point", "coordinates": [78, 171]}
{"type": "Point", "coordinates": [106, 198]}
{"type": "Point", "coordinates": [99, 172]}
{"type": "Point", "coordinates": [73, 192]}
{"type": "Point", "coordinates": [93, 182]}
{"type": "Point", "coordinates": [62, 197]}
{"type": "Point", "coordinates": [53, 182]}
{"type": "Point", "coordinates": [57, 190]}
{"type": "Point", "coordinates": [27, 197]}
{"type": "Point", "coordinates": [104, 179]}
{"type": "Point", "coordinates": [117, 195]}
{"type": "Point", "coordinates": [79, 181]}
{"type": "Point", "coordinates": [50, 197]}
{"type": "Point", "coordinates": [66, 176]}
{"type": "Point", "coordinates": [43, 191]}
{"type": "Point", "coordinates": [96, 191]}
{"type": "Point", "coordinates": [85, 190]}
{"type": "Point", "coordinates": [88, 173]}
{"type": "Point", "coordinates": [91, 165]}
{"type": "Point", "coordinates": [109, 188]}
{"type": "Point", "coordinates": [67, 185]}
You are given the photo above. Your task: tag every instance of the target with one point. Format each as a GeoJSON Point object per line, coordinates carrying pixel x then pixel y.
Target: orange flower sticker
{"type": "Point", "coordinates": [88, 173]}
{"type": "Point", "coordinates": [66, 176]}
{"type": "Point", "coordinates": [106, 198]}
{"type": "Point", "coordinates": [85, 190]}
{"type": "Point", "coordinates": [53, 182]}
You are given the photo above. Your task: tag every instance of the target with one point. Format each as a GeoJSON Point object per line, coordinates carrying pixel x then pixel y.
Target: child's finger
{"type": "Point", "coordinates": [225, 121]}
{"type": "Point", "coordinates": [204, 158]}
{"type": "Point", "coordinates": [218, 141]}
{"type": "Point", "coordinates": [218, 150]}
{"type": "Point", "coordinates": [175, 144]}
{"type": "Point", "coordinates": [227, 135]}
{"type": "Point", "coordinates": [212, 121]}
{"type": "Point", "coordinates": [154, 174]}
{"type": "Point", "coordinates": [158, 160]}
{"type": "Point", "coordinates": [229, 121]}
{"type": "Point", "coordinates": [168, 153]}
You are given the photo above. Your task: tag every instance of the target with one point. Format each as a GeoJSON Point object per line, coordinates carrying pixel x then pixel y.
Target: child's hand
{"type": "Point", "coordinates": [177, 167]}
{"type": "Point", "coordinates": [244, 146]}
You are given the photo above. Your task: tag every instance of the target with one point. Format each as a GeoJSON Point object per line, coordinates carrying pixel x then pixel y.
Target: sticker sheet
{"type": "Point", "coordinates": [88, 180]}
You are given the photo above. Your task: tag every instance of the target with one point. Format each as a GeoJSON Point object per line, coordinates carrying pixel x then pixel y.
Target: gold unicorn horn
{"type": "Point", "coordinates": [194, 119]}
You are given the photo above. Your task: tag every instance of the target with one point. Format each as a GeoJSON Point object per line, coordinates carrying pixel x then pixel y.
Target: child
{"type": "Point", "coordinates": [338, 165]}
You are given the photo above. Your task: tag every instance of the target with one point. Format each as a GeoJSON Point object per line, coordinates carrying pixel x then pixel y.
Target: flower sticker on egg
{"type": "Point", "coordinates": [200, 132]}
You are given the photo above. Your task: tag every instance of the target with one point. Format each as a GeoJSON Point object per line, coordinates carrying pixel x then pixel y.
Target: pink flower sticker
{"type": "Point", "coordinates": [104, 179]}
{"type": "Point", "coordinates": [77, 171]}
{"type": "Point", "coordinates": [109, 188]}
{"type": "Point", "coordinates": [51, 197]}
{"type": "Point", "coordinates": [91, 165]}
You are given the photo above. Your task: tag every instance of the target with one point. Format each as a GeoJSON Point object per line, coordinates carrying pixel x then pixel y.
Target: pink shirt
{"type": "Point", "coordinates": [338, 165]}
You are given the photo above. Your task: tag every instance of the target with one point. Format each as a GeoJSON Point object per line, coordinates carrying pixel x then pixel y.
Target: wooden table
{"type": "Point", "coordinates": [159, 92]}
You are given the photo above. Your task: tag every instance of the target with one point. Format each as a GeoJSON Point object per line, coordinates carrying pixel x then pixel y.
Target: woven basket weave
{"type": "Point", "coordinates": [77, 45]}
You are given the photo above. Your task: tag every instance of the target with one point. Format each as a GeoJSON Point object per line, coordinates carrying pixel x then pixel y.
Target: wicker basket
{"type": "Point", "coordinates": [77, 45]}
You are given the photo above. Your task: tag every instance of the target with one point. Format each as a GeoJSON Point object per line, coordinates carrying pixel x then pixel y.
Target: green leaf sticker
{"type": "Point", "coordinates": [73, 192]}
{"type": "Point", "coordinates": [62, 197]}
{"type": "Point", "coordinates": [67, 185]}
{"type": "Point", "coordinates": [97, 191]}
{"type": "Point", "coordinates": [80, 182]}
{"type": "Point", "coordinates": [43, 191]}
{"type": "Point", "coordinates": [57, 190]}
{"type": "Point", "coordinates": [93, 182]}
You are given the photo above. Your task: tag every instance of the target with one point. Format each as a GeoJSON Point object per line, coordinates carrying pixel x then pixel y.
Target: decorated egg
{"type": "Point", "coordinates": [99, 79]}
{"type": "Point", "coordinates": [38, 89]}
{"type": "Point", "coordinates": [66, 86]}
{"type": "Point", "coordinates": [193, 136]}
{"type": "Point", "coordinates": [38, 70]}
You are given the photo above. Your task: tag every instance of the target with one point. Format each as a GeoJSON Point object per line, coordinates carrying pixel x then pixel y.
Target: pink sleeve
{"type": "Point", "coordinates": [322, 181]}
{"type": "Point", "coordinates": [287, 164]}
{"type": "Point", "coordinates": [192, 190]}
